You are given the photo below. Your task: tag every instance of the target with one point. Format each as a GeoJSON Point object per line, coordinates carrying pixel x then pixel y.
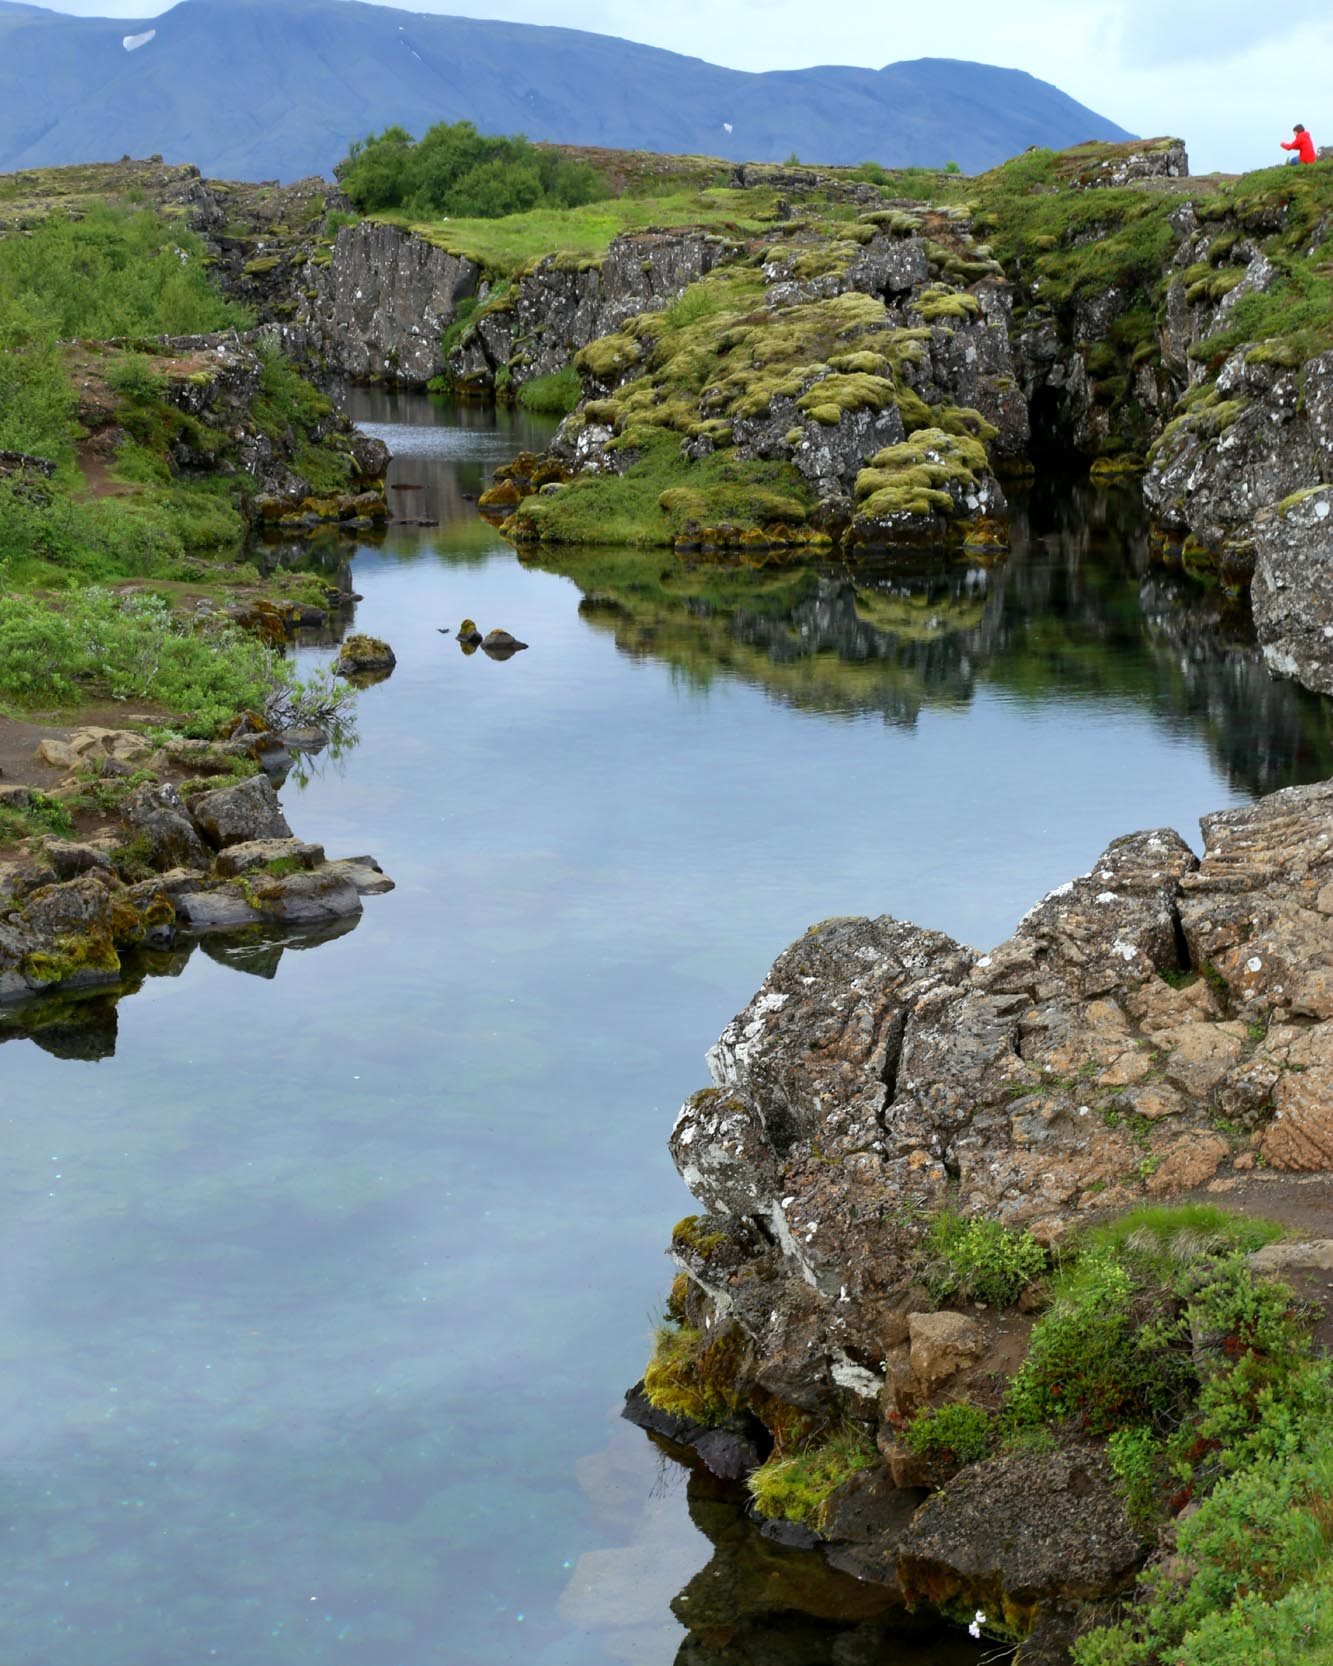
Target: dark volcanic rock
{"type": "Point", "coordinates": [1020, 1532]}
{"type": "Point", "coordinates": [239, 814]}
{"type": "Point", "coordinates": [157, 813]}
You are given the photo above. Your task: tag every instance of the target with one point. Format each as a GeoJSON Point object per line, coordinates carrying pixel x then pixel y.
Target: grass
{"type": "Point", "coordinates": [797, 1487]}
{"type": "Point", "coordinates": [648, 505]}
{"type": "Point", "coordinates": [509, 245]}
{"type": "Point", "coordinates": [92, 644]}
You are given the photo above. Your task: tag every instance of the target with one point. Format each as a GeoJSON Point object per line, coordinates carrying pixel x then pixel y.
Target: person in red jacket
{"type": "Point", "coordinates": [1301, 143]}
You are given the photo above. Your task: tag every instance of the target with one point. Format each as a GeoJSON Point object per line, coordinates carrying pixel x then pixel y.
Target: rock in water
{"type": "Point", "coordinates": [360, 654]}
{"type": "Point", "coordinates": [500, 645]}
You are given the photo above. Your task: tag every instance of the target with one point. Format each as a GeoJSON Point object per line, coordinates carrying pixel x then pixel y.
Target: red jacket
{"type": "Point", "coordinates": [1303, 143]}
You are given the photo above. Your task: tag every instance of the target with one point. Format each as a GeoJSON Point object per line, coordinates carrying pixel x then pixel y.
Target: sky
{"type": "Point", "coordinates": [1230, 77]}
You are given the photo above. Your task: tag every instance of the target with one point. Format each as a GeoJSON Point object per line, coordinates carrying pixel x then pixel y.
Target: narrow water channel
{"type": "Point", "coordinates": [320, 1291]}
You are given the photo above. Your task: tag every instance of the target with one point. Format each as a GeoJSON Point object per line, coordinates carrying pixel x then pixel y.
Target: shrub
{"type": "Point", "coordinates": [456, 170]}
{"type": "Point", "coordinates": [97, 643]}
{"type": "Point", "coordinates": [980, 1260]}
{"type": "Point", "coordinates": [961, 1431]}
{"type": "Point", "coordinates": [1109, 1353]}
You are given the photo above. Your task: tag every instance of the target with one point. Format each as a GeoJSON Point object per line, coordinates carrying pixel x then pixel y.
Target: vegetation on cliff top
{"type": "Point", "coordinates": [93, 491]}
{"type": "Point", "coordinates": [453, 169]}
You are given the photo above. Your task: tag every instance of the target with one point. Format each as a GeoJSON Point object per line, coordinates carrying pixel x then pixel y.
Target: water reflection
{"type": "Point", "coordinates": [85, 1025]}
{"type": "Point", "coordinates": [758, 1602]}
{"type": "Point", "coordinates": [1076, 612]}
{"type": "Point", "coordinates": [320, 1293]}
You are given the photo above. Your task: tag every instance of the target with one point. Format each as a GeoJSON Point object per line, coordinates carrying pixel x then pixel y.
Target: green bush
{"type": "Point", "coordinates": [113, 272]}
{"type": "Point", "coordinates": [1251, 1580]}
{"type": "Point", "coordinates": [1110, 1353]}
{"type": "Point", "coordinates": [455, 170]}
{"type": "Point", "coordinates": [40, 816]}
{"type": "Point", "coordinates": [960, 1431]}
{"type": "Point", "coordinates": [95, 643]}
{"type": "Point", "coordinates": [980, 1260]}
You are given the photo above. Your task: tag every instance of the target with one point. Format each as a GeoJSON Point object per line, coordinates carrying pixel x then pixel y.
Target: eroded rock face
{"type": "Point", "coordinates": [379, 307]}
{"type": "Point", "coordinates": [1263, 433]}
{"type": "Point", "coordinates": [1148, 1024]}
{"type": "Point", "coordinates": [1292, 590]}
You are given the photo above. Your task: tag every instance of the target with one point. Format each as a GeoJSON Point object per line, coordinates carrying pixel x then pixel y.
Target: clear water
{"type": "Point", "coordinates": [319, 1295]}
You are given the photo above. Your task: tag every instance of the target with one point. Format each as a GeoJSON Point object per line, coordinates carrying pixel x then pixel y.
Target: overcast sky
{"type": "Point", "coordinates": [1228, 76]}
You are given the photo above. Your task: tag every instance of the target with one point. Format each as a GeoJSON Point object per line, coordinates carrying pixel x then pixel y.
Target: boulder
{"type": "Point", "coordinates": [258, 853]}
{"type": "Point", "coordinates": [1021, 1531]}
{"type": "Point", "coordinates": [240, 814]}
{"type": "Point", "coordinates": [69, 859]}
{"type": "Point", "coordinates": [942, 1344]}
{"type": "Point", "coordinates": [360, 654]}
{"type": "Point", "coordinates": [363, 873]}
{"type": "Point", "coordinates": [157, 812]}
{"type": "Point", "coordinates": [500, 644]}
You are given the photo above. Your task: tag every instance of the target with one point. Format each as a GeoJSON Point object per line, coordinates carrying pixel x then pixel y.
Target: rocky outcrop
{"type": "Point", "coordinates": [1158, 1025]}
{"type": "Point", "coordinates": [559, 304]}
{"type": "Point", "coordinates": [206, 855]}
{"type": "Point", "coordinates": [377, 305]}
{"type": "Point", "coordinates": [1258, 434]}
{"type": "Point", "coordinates": [295, 461]}
{"type": "Point", "coordinates": [1292, 590]}
{"type": "Point", "coordinates": [1021, 1535]}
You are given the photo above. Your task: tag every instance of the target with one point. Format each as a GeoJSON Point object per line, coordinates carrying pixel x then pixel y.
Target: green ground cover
{"type": "Point", "coordinates": [508, 245]}
{"type": "Point", "coordinates": [90, 519]}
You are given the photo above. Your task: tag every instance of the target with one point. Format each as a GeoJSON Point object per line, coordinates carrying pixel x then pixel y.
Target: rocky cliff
{"type": "Point", "coordinates": [1159, 1025]}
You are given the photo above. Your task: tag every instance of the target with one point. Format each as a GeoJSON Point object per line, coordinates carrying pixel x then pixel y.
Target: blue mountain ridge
{"type": "Point", "coordinates": [252, 89]}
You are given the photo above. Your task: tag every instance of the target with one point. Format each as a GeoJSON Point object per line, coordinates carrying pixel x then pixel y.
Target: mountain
{"type": "Point", "coordinates": [251, 89]}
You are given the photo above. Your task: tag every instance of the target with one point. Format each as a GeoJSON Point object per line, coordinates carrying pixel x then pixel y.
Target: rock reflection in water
{"type": "Point", "coordinates": [1077, 611]}
{"type": "Point", "coordinates": [761, 1603]}
{"type": "Point", "coordinates": [84, 1027]}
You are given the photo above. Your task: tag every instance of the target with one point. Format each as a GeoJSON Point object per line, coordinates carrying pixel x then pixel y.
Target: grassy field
{"type": "Point", "coordinates": [510, 244]}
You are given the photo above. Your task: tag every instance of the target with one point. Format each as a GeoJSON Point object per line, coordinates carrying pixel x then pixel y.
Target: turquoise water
{"type": "Point", "coordinates": [320, 1294]}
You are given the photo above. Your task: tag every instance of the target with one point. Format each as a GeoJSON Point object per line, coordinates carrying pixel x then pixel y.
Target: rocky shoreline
{"type": "Point", "coordinates": [1162, 1025]}
{"type": "Point", "coordinates": [182, 839]}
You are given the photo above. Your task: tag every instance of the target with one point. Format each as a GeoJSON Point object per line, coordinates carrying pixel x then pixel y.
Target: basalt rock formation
{"type": "Point", "coordinates": [1159, 1025]}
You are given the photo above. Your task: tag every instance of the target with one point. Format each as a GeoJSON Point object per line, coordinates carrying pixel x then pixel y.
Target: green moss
{"type": "Point", "coordinates": [655, 498]}
{"type": "Point", "coordinates": [853, 392]}
{"type": "Point", "coordinates": [609, 356]}
{"type": "Point", "coordinates": [797, 1487]}
{"type": "Point", "coordinates": [690, 1235]}
{"type": "Point", "coordinates": [938, 303]}
{"type": "Point", "coordinates": [913, 477]}
{"type": "Point", "coordinates": [695, 1375]}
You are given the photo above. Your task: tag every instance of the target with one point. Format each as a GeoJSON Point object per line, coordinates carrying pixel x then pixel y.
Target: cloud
{"type": "Point", "coordinates": [1152, 36]}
